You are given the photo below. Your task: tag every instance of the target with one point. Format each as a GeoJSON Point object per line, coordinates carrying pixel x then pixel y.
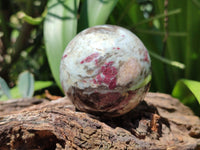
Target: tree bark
{"type": "Point", "coordinates": [158, 122]}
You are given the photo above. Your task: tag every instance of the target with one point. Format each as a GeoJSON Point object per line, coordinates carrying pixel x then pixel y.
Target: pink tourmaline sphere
{"type": "Point", "coordinates": [105, 70]}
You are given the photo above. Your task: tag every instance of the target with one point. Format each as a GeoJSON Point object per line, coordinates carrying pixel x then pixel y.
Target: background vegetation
{"type": "Point", "coordinates": [34, 34]}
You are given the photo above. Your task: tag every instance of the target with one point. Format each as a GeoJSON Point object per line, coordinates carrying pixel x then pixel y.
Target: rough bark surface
{"type": "Point", "coordinates": [158, 122]}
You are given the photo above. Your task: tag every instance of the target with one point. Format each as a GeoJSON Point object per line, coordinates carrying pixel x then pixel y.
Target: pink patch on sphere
{"type": "Point", "coordinates": [90, 58]}
{"type": "Point", "coordinates": [108, 70]}
{"type": "Point", "coordinates": [96, 62]}
{"type": "Point", "coordinates": [107, 75]}
{"type": "Point", "coordinates": [112, 84]}
{"type": "Point", "coordinates": [64, 56]}
{"type": "Point", "coordinates": [146, 58]}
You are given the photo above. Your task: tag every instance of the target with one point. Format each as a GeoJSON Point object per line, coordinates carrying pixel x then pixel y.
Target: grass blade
{"type": "Point", "coordinates": [172, 12]}
{"type": "Point", "coordinates": [152, 32]}
{"type": "Point", "coordinates": [60, 26]}
{"type": "Point", "coordinates": [167, 61]}
{"type": "Point", "coordinates": [192, 44]}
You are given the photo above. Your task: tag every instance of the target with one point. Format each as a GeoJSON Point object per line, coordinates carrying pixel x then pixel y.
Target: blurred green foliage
{"type": "Point", "coordinates": [21, 43]}
{"type": "Point", "coordinates": [26, 86]}
{"type": "Point", "coordinates": [34, 31]}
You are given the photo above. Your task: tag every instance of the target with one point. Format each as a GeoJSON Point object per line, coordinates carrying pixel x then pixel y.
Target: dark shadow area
{"type": "Point", "coordinates": [144, 120]}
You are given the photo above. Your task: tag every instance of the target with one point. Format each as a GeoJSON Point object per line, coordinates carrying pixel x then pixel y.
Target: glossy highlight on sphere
{"type": "Point", "coordinates": [105, 70]}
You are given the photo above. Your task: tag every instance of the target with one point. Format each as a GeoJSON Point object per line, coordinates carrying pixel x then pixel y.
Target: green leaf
{"type": "Point", "coordinates": [60, 26]}
{"type": "Point", "coordinates": [38, 85]}
{"type": "Point", "coordinates": [26, 84]}
{"type": "Point", "coordinates": [188, 91]}
{"type": "Point", "coordinates": [4, 87]}
{"type": "Point", "coordinates": [95, 12]}
{"type": "Point", "coordinates": [181, 87]}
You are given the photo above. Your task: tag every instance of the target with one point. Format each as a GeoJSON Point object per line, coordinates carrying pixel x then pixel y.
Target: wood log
{"type": "Point", "coordinates": [158, 122]}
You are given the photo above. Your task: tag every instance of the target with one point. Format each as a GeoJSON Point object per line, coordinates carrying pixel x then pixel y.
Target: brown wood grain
{"type": "Point", "coordinates": [159, 122]}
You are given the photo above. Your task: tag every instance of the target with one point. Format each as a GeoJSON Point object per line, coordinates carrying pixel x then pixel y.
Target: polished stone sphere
{"type": "Point", "coordinates": [105, 70]}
